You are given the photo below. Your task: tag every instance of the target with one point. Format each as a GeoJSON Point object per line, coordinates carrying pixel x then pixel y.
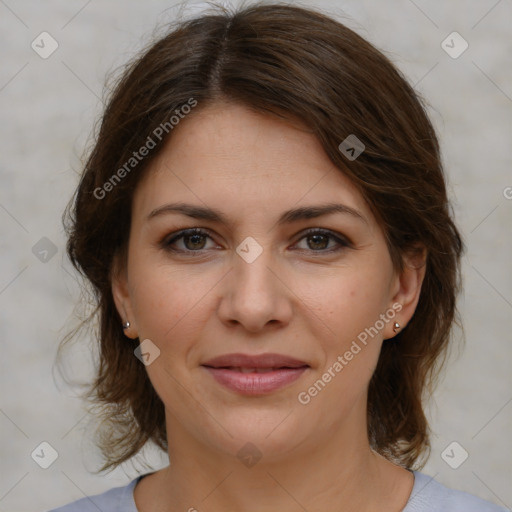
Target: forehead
{"type": "Point", "coordinates": [230, 157]}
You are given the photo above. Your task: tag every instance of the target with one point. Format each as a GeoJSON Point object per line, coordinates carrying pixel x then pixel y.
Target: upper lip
{"type": "Point", "coordinates": [254, 361]}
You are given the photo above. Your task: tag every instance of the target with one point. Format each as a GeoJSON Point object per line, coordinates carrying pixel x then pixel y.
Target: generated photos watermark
{"type": "Point", "coordinates": [363, 337]}
{"type": "Point", "coordinates": [158, 133]}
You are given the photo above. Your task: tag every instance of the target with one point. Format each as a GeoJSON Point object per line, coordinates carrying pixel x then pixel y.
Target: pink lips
{"type": "Point", "coordinates": [255, 375]}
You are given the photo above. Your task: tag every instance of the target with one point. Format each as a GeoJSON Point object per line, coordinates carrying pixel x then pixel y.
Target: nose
{"type": "Point", "coordinates": [256, 294]}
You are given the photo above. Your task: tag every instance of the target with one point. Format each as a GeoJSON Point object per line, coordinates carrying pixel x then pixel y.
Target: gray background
{"type": "Point", "coordinates": [48, 107]}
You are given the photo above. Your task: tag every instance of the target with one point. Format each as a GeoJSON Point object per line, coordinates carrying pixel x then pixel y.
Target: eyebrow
{"type": "Point", "coordinates": [288, 217]}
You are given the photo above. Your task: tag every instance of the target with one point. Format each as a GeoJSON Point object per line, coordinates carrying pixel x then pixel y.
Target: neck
{"type": "Point", "coordinates": [341, 474]}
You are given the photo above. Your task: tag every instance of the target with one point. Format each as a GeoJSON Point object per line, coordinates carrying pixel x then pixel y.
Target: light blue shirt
{"type": "Point", "coordinates": [427, 495]}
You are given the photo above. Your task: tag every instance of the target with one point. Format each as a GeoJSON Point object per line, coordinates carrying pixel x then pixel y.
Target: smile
{"type": "Point", "coordinates": [255, 381]}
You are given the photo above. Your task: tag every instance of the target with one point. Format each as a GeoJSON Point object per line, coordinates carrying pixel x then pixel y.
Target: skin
{"type": "Point", "coordinates": [297, 298]}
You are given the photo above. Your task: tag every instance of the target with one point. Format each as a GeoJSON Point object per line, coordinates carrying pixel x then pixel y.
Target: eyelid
{"type": "Point", "coordinates": [177, 235]}
{"type": "Point", "coordinates": [342, 240]}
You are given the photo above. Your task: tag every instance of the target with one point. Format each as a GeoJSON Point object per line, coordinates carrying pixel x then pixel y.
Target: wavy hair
{"type": "Point", "coordinates": [296, 63]}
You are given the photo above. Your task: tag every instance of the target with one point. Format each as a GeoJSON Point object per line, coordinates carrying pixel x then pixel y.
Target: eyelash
{"type": "Point", "coordinates": [167, 243]}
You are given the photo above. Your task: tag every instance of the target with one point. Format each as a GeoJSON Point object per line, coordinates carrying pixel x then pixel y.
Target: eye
{"type": "Point", "coordinates": [193, 240]}
{"type": "Point", "coordinates": [317, 240]}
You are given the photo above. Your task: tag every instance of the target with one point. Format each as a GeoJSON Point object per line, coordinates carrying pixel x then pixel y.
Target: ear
{"type": "Point", "coordinates": [407, 289]}
{"type": "Point", "coordinates": [121, 295]}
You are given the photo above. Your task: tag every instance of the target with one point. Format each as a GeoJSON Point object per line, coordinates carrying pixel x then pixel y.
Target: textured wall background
{"type": "Point", "coordinates": [48, 107]}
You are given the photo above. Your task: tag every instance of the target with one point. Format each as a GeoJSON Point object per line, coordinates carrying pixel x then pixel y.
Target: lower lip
{"type": "Point", "coordinates": [255, 383]}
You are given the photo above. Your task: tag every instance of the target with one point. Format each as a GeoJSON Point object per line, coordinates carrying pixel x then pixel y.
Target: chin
{"type": "Point", "coordinates": [272, 434]}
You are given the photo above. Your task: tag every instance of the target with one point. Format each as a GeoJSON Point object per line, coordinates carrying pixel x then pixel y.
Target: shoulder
{"type": "Point", "coordinates": [428, 495]}
{"type": "Point", "coordinates": [118, 499]}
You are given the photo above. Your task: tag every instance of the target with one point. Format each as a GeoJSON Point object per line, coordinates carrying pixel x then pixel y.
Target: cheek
{"type": "Point", "coordinates": [350, 303]}
{"type": "Point", "coordinates": [168, 301]}
{"type": "Point", "coordinates": [350, 307]}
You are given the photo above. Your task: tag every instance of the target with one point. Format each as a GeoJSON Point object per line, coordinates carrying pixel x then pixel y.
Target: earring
{"type": "Point", "coordinates": [126, 325]}
{"type": "Point", "coordinates": [396, 327]}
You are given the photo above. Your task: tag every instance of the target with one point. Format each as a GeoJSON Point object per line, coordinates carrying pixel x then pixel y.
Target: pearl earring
{"type": "Point", "coordinates": [396, 327]}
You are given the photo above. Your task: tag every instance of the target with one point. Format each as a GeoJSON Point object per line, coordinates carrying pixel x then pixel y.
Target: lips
{"type": "Point", "coordinates": [255, 375]}
{"type": "Point", "coordinates": [257, 363]}
{"type": "Point", "coordinates": [252, 370]}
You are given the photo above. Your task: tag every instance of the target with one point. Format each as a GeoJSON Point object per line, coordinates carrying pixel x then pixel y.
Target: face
{"type": "Point", "coordinates": [320, 289]}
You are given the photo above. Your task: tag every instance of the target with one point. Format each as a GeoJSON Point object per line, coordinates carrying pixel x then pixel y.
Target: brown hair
{"type": "Point", "coordinates": [301, 64]}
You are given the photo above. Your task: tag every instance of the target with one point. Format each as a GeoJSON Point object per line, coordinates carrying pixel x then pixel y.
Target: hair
{"type": "Point", "coordinates": [300, 64]}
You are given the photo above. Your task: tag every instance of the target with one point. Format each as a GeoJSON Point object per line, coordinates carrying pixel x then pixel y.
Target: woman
{"type": "Point", "coordinates": [265, 215]}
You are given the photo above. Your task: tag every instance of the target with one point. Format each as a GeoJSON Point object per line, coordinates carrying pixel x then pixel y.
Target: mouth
{"type": "Point", "coordinates": [266, 361]}
{"type": "Point", "coordinates": [255, 375]}
{"type": "Point", "coordinates": [254, 370]}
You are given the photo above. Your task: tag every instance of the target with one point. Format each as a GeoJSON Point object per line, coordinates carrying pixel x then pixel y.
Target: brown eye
{"type": "Point", "coordinates": [319, 241]}
{"type": "Point", "coordinates": [194, 240]}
